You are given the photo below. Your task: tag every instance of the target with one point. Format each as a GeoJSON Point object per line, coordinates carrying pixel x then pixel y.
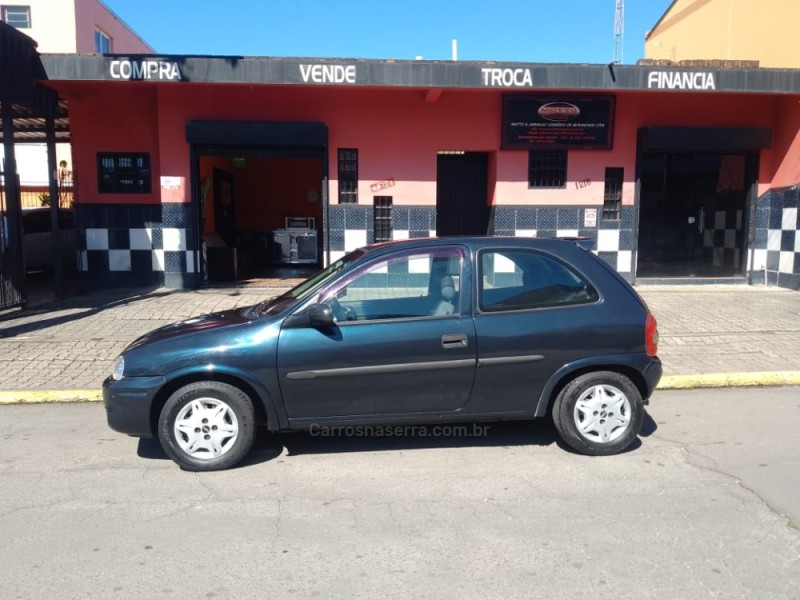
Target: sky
{"type": "Point", "coordinates": [564, 31]}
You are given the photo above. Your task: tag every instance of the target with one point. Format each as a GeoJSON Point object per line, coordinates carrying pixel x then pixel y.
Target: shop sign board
{"type": "Point", "coordinates": [558, 122]}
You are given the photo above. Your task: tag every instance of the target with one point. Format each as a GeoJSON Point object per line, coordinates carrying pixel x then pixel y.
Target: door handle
{"type": "Point", "coordinates": [454, 340]}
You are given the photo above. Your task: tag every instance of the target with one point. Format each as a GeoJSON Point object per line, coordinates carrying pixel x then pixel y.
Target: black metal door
{"type": "Point", "coordinates": [462, 194]}
{"type": "Point", "coordinates": [12, 273]}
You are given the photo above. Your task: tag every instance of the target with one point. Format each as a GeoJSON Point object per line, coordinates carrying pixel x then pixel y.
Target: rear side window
{"type": "Point", "coordinates": [520, 279]}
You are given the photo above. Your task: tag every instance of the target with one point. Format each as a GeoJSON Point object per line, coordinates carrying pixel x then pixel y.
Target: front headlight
{"type": "Point", "coordinates": [118, 370]}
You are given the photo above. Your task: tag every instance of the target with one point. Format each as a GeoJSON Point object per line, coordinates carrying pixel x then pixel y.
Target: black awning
{"type": "Point", "coordinates": [257, 133]}
{"type": "Point", "coordinates": [705, 139]}
{"type": "Point", "coordinates": [20, 71]}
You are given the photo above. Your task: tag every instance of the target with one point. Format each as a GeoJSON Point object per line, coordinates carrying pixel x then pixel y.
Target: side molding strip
{"type": "Point", "coordinates": [381, 369]}
{"type": "Point", "coordinates": [509, 360]}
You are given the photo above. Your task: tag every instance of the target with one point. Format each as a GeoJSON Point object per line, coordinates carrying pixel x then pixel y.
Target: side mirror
{"type": "Point", "coordinates": [320, 315]}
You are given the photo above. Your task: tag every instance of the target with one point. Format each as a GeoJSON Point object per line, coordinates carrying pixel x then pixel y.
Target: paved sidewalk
{"type": "Point", "coordinates": [70, 345]}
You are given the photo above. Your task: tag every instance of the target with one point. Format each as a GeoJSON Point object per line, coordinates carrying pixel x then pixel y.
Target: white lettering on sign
{"type": "Point", "coordinates": [680, 80]}
{"type": "Point", "coordinates": [328, 73]}
{"type": "Point", "coordinates": [507, 77]}
{"type": "Point", "coordinates": [144, 69]}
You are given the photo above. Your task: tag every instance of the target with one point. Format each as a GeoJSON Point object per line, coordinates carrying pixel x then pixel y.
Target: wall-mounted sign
{"type": "Point", "coordinates": [680, 80]}
{"type": "Point", "coordinates": [145, 69]}
{"type": "Point", "coordinates": [589, 218]}
{"type": "Point", "coordinates": [494, 77]}
{"type": "Point", "coordinates": [381, 185]}
{"type": "Point", "coordinates": [327, 73]}
{"type": "Point", "coordinates": [558, 122]}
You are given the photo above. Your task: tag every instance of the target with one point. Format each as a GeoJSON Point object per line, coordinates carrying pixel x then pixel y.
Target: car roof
{"type": "Point", "coordinates": [478, 242]}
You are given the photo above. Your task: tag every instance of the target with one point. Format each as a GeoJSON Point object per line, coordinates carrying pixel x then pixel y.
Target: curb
{"type": "Point", "coordinates": [668, 382]}
{"type": "Point", "coordinates": [718, 380]}
{"type": "Point", "coordinates": [50, 396]}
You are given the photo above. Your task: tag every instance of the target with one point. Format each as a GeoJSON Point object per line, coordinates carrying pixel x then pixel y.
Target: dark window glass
{"type": "Point", "coordinates": [102, 43]}
{"type": "Point", "coordinates": [382, 211]}
{"type": "Point", "coordinates": [520, 279]}
{"type": "Point", "coordinates": [612, 194]}
{"type": "Point", "coordinates": [17, 16]}
{"type": "Point", "coordinates": [547, 168]}
{"type": "Point", "coordinates": [123, 173]}
{"type": "Point", "coordinates": [348, 175]}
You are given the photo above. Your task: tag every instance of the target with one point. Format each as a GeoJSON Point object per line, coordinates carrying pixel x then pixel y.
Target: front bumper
{"type": "Point", "coordinates": [128, 403]}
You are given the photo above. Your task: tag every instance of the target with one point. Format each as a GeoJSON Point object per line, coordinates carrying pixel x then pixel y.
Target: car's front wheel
{"type": "Point", "coordinates": [599, 413]}
{"type": "Point", "coordinates": [207, 426]}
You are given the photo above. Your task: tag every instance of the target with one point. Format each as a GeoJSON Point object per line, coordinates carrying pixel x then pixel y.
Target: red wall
{"type": "Point", "coordinates": [398, 133]}
{"type": "Point", "coordinates": [113, 118]}
{"type": "Point", "coordinates": [787, 143]}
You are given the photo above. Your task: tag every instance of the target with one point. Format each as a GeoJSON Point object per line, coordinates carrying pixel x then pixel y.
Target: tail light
{"type": "Point", "coordinates": [651, 335]}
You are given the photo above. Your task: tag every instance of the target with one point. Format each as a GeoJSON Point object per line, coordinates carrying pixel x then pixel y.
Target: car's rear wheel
{"type": "Point", "coordinates": [599, 413]}
{"type": "Point", "coordinates": [207, 426]}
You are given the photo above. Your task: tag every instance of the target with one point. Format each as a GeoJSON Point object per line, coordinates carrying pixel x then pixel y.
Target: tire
{"type": "Point", "coordinates": [207, 426]}
{"type": "Point", "coordinates": [599, 413]}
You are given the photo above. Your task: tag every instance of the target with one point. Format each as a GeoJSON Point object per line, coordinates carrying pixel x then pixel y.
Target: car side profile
{"type": "Point", "coordinates": [411, 332]}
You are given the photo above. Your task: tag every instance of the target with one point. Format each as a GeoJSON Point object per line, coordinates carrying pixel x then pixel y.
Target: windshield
{"type": "Point", "coordinates": [308, 287]}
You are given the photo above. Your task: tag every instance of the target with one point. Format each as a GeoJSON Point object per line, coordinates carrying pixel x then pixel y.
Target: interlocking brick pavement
{"type": "Point", "coordinates": [71, 344]}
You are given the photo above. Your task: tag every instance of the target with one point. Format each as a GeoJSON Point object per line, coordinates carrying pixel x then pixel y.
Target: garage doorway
{"type": "Point", "coordinates": [260, 192]}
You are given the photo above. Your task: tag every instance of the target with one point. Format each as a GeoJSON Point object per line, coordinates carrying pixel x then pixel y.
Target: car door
{"type": "Point", "coordinates": [535, 314]}
{"type": "Point", "coordinates": [400, 345]}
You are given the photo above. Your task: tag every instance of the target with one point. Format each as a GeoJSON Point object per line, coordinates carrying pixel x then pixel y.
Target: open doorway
{"type": "Point", "coordinates": [692, 216]}
{"type": "Point", "coordinates": [261, 214]}
{"type": "Point", "coordinates": [462, 191]}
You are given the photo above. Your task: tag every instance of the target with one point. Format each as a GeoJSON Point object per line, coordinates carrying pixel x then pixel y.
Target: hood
{"type": "Point", "coordinates": [193, 325]}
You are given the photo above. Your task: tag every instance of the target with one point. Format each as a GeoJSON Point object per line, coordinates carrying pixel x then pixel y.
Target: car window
{"type": "Point", "coordinates": [519, 279]}
{"type": "Point", "coordinates": [413, 284]}
{"type": "Point", "coordinates": [36, 221]}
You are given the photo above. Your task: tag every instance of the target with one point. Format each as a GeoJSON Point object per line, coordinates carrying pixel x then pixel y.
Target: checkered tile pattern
{"type": "Point", "coordinates": [351, 226]}
{"type": "Point", "coordinates": [614, 238]}
{"type": "Point", "coordinates": [782, 253]}
{"type": "Point", "coordinates": [723, 237]}
{"type": "Point", "coordinates": [122, 245]}
{"type": "Point", "coordinates": [150, 249]}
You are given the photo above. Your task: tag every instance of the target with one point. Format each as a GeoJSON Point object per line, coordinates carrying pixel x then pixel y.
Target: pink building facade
{"type": "Point", "coordinates": [193, 169]}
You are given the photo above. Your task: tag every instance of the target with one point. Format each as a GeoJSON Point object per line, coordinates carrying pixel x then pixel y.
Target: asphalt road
{"type": "Point", "coordinates": [704, 507]}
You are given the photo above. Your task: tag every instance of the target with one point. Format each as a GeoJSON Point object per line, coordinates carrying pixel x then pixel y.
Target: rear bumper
{"type": "Point", "coordinates": [652, 375]}
{"type": "Point", "coordinates": [128, 403]}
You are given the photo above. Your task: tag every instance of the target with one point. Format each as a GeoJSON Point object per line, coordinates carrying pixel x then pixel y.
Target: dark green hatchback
{"type": "Point", "coordinates": [411, 332]}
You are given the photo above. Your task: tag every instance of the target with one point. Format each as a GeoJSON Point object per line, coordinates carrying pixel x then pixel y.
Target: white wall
{"type": "Point", "coordinates": [32, 161]}
{"type": "Point", "coordinates": [52, 25]}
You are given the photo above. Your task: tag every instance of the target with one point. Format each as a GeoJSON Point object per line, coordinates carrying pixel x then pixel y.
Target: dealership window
{"type": "Point", "coordinates": [382, 215]}
{"type": "Point", "coordinates": [348, 175]}
{"type": "Point", "coordinates": [123, 173]}
{"type": "Point", "coordinates": [102, 43]}
{"type": "Point", "coordinates": [17, 16]}
{"type": "Point", "coordinates": [612, 194]}
{"type": "Point", "coordinates": [547, 169]}
{"type": "Point", "coordinates": [523, 279]}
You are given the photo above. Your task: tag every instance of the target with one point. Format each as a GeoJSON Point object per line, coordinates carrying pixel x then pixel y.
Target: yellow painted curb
{"type": "Point", "coordinates": [668, 382]}
{"type": "Point", "coordinates": [715, 380]}
{"type": "Point", "coordinates": [43, 396]}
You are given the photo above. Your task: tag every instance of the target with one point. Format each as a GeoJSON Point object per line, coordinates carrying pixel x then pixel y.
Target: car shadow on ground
{"type": "Point", "coordinates": [539, 432]}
